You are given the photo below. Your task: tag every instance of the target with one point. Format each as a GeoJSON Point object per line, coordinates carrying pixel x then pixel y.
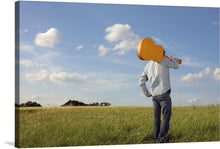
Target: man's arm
{"type": "Point", "coordinates": [173, 63]}
{"type": "Point", "coordinates": [142, 84]}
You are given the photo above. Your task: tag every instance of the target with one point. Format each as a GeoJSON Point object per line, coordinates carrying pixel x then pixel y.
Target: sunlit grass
{"type": "Point", "coordinates": [79, 126]}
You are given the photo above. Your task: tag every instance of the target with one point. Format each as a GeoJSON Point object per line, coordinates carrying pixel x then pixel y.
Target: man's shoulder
{"type": "Point", "coordinates": [164, 60]}
{"type": "Point", "coordinates": [149, 64]}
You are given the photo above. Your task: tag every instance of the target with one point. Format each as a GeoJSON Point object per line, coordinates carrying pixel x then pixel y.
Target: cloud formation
{"type": "Point", "coordinates": [188, 61]}
{"type": "Point", "coordinates": [34, 97]}
{"type": "Point", "coordinates": [29, 63]}
{"type": "Point", "coordinates": [123, 37]}
{"type": "Point", "coordinates": [79, 47]}
{"type": "Point", "coordinates": [158, 40]}
{"type": "Point", "coordinates": [103, 50]}
{"type": "Point", "coordinates": [84, 99]}
{"type": "Point", "coordinates": [194, 77]}
{"type": "Point", "coordinates": [27, 48]}
{"type": "Point", "coordinates": [165, 44]}
{"type": "Point", "coordinates": [69, 78]}
{"type": "Point", "coordinates": [34, 77]}
{"type": "Point", "coordinates": [215, 22]}
{"type": "Point", "coordinates": [49, 38]}
{"type": "Point", "coordinates": [216, 74]}
{"type": "Point", "coordinates": [192, 100]}
{"type": "Point", "coordinates": [25, 30]}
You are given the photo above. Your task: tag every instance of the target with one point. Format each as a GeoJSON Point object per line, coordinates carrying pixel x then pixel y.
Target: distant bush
{"type": "Point", "coordinates": [79, 103]}
{"type": "Point", "coordinates": [105, 104]}
{"type": "Point", "coordinates": [28, 104]}
{"type": "Point", "coordinates": [74, 103]}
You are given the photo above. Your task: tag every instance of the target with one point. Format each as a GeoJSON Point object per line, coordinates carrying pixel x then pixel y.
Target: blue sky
{"type": "Point", "coordinates": [87, 52]}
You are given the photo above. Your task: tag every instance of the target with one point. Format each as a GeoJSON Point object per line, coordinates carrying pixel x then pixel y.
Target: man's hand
{"type": "Point", "coordinates": [178, 60]}
{"type": "Point", "coordinates": [149, 95]}
{"type": "Point", "coordinates": [169, 57]}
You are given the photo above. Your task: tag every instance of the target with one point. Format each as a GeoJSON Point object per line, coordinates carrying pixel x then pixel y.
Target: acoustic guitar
{"type": "Point", "coordinates": [148, 50]}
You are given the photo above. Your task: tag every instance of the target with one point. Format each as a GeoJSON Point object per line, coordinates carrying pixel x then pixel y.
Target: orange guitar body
{"type": "Point", "coordinates": [148, 50]}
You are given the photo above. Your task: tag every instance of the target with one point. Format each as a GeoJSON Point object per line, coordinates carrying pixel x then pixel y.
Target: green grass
{"type": "Point", "coordinates": [79, 126]}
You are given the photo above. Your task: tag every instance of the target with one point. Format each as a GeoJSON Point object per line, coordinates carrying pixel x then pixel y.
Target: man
{"type": "Point", "coordinates": [157, 73]}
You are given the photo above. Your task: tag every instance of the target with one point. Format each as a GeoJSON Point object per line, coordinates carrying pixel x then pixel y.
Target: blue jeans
{"type": "Point", "coordinates": [162, 101]}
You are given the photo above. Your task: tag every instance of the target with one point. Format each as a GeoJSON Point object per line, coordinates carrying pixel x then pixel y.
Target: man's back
{"type": "Point", "coordinates": [158, 76]}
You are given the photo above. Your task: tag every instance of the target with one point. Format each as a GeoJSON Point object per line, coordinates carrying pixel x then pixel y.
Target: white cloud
{"type": "Point", "coordinates": [207, 71]}
{"type": "Point", "coordinates": [192, 100]}
{"type": "Point", "coordinates": [25, 30]}
{"type": "Point", "coordinates": [103, 50]}
{"type": "Point", "coordinates": [123, 36]}
{"type": "Point", "coordinates": [194, 77]}
{"type": "Point", "coordinates": [188, 61]}
{"type": "Point", "coordinates": [34, 77]}
{"type": "Point", "coordinates": [79, 47]}
{"type": "Point", "coordinates": [27, 48]}
{"type": "Point", "coordinates": [215, 22]}
{"type": "Point", "coordinates": [216, 74]}
{"type": "Point", "coordinates": [29, 63]}
{"type": "Point", "coordinates": [34, 97]}
{"type": "Point", "coordinates": [49, 38]}
{"type": "Point", "coordinates": [107, 80]}
{"type": "Point", "coordinates": [69, 78]}
{"type": "Point", "coordinates": [167, 45]}
{"type": "Point", "coordinates": [84, 99]}
{"type": "Point", "coordinates": [158, 40]}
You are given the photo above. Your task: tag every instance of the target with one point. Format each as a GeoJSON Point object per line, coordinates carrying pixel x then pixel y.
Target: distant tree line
{"type": "Point", "coordinates": [78, 103]}
{"type": "Point", "coordinates": [68, 103]}
{"type": "Point", "coordinates": [28, 104]}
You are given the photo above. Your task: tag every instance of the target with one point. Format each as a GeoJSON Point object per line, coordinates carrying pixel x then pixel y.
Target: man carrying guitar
{"type": "Point", "coordinates": [157, 73]}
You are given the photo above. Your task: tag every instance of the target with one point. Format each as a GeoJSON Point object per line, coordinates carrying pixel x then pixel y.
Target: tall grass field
{"type": "Point", "coordinates": [83, 126]}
